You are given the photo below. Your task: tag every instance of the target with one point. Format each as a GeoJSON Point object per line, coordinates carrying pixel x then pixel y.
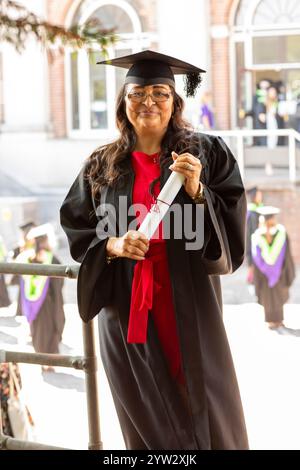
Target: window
{"type": "Point", "coordinates": [276, 49]}
{"type": "Point", "coordinates": [1, 91]}
{"type": "Point", "coordinates": [268, 12]}
{"type": "Point", "coordinates": [240, 67]}
{"type": "Point", "coordinates": [98, 95]}
{"type": "Point", "coordinates": [94, 88]}
{"type": "Point", "coordinates": [265, 44]}
{"type": "Point", "coordinates": [111, 16]}
{"type": "Point", "coordinates": [74, 86]}
{"type": "Point", "coordinates": [277, 12]}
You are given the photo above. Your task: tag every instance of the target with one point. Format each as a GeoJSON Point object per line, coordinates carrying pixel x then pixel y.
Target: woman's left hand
{"type": "Point", "coordinates": [191, 168]}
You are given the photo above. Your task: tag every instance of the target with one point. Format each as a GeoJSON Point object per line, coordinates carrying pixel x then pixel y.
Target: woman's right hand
{"type": "Point", "coordinates": [132, 244]}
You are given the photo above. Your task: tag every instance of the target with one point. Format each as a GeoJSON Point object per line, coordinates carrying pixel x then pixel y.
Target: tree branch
{"type": "Point", "coordinates": [17, 25]}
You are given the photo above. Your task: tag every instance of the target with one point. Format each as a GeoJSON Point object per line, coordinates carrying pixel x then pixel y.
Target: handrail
{"type": "Point", "coordinates": [87, 363]}
{"type": "Point", "coordinates": [240, 134]}
{"type": "Point", "coordinates": [296, 135]}
{"type": "Point", "coordinates": [53, 270]}
{"type": "Point", "coordinates": [43, 359]}
{"type": "Point", "coordinates": [252, 132]}
{"type": "Point", "coordinates": [10, 443]}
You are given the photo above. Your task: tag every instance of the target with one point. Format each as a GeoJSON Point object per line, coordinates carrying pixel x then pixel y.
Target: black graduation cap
{"type": "Point", "coordinates": [268, 211]}
{"type": "Point", "coordinates": [42, 232]}
{"type": "Point", "coordinates": [39, 231]}
{"type": "Point", "coordinates": [251, 192]}
{"type": "Point", "coordinates": [149, 67]}
{"type": "Point", "coordinates": [27, 226]}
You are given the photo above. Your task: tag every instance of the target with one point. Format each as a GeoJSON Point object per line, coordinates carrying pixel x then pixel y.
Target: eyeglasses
{"type": "Point", "coordinates": [157, 96]}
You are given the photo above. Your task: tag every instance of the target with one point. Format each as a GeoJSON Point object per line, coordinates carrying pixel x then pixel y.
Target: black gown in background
{"type": "Point", "coordinates": [274, 298]}
{"type": "Point", "coordinates": [4, 297]}
{"type": "Point", "coordinates": [252, 225]}
{"type": "Point", "coordinates": [47, 329]}
{"type": "Point", "coordinates": [150, 407]}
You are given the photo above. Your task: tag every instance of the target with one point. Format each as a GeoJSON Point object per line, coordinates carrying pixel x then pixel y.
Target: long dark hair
{"type": "Point", "coordinates": [108, 165]}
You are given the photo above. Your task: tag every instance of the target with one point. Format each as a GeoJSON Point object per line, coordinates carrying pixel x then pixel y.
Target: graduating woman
{"type": "Point", "coordinates": [162, 339]}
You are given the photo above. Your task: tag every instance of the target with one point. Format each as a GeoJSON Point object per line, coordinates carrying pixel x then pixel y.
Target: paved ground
{"type": "Point", "coordinates": [236, 291]}
{"type": "Point", "coordinates": [267, 365]}
{"type": "Point", "coordinates": [58, 400]}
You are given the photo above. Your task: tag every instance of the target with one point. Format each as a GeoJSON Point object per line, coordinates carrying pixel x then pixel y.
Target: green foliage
{"type": "Point", "coordinates": [17, 25]}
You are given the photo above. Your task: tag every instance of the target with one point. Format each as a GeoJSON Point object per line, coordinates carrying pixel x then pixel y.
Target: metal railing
{"type": "Point", "coordinates": [87, 362]}
{"type": "Point", "coordinates": [240, 134]}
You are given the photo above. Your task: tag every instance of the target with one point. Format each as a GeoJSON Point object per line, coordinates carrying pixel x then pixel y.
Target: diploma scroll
{"type": "Point", "coordinates": [164, 200]}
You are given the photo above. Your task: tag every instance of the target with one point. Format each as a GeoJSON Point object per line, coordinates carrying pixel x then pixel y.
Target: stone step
{"type": "Point", "coordinates": [257, 156]}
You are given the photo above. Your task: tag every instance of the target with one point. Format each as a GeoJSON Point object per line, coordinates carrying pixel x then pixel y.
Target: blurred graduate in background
{"type": "Point", "coordinates": [274, 270]}
{"type": "Point", "coordinates": [41, 298]}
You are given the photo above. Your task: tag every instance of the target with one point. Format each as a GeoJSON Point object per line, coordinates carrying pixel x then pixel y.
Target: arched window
{"type": "Point", "coordinates": [94, 87]}
{"type": "Point", "coordinates": [265, 44]}
{"type": "Point", "coordinates": [113, 16]}
{"type": "Point", "coordinates": [267, 12]}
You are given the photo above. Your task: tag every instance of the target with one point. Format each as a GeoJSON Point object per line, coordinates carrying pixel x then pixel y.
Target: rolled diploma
{"type": "Point", "coordinates": [164, 200]}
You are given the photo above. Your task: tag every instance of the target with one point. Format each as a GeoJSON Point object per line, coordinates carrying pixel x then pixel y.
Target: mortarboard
{"type": "Point", "coordinates": [252, 191]}
{"type": "Point", "coordinates": [27, 226]}
{"type": "Point", "coordinates": [149, 67]}
{"type": "Point", "coordinates": [267, 211]}
{"type": "Point", "coordinates": [40, 231]}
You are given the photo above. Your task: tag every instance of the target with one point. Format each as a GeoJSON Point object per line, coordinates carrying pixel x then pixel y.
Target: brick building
{"type": "Point", "coordinates": [251, 41]}
{"type": "Point", "coordinates": [245, 42]}
{"type": "Point", "coordinates": [85, 106]}
{"type": "Point", "coordinates": [64, 103]}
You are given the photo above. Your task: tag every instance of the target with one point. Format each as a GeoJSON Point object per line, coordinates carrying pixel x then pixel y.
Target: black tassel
{"type": "Point", "coordinates": [192, 81]}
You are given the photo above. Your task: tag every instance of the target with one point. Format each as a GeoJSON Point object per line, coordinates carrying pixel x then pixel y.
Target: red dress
{"type": "Point", "coordinates": [151, 288]}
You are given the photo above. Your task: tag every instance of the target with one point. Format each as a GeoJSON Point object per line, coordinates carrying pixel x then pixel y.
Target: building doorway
{"type": "Point", "coordinates": [265, 45]}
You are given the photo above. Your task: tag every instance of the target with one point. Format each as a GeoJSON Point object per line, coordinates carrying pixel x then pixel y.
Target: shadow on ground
{"type": "Point", "coordinates": [62, 380]}
{"type": "Point", "coordinates": [9, 322]}
{"type": "Point", "coordinates": [8, 339]}
{"type": "Point", "coordinates": [65, 349]}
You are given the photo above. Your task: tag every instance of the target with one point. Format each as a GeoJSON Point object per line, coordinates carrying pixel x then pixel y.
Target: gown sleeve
{"type": "Point", "coordinates": [79, 221]}
{"type": "Point", "coordinates": [225, 211]}
{"type": "Point", "coordinates": [289, 272]}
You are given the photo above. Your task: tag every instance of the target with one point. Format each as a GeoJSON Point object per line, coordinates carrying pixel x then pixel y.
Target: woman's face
{"type": "Point", "coordinates": [149, 114]}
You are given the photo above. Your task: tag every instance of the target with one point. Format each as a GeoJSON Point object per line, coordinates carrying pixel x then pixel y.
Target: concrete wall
{"type": "Point", "coordinates": [42, 163]}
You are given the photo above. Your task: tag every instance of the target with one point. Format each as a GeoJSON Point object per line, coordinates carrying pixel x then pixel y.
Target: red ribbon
{"type": "Point", "coordinates": [143, 288]}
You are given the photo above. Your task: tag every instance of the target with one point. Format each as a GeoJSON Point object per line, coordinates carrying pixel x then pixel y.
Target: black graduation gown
{"type": "Point", "coordinates": [274, 298]}
{"type": "Point", "coordinates": [252, 225]}
{"type": "Point", "coordinates": [150, 407]}
{"type": "Point", "coordinates": [46, 330]}
{"type": "Point", "coordinates": [4, 297]}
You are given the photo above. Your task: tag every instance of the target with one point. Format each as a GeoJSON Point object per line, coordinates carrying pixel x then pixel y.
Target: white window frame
{"type": "Point", "coordinates": [2, 110]}
{"type": "Point", "coordinates": [245, 33]}
{"type": "Point", "coordinates": [249, 15]}
{"type": "Point", "coordinates": [134, 41]}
